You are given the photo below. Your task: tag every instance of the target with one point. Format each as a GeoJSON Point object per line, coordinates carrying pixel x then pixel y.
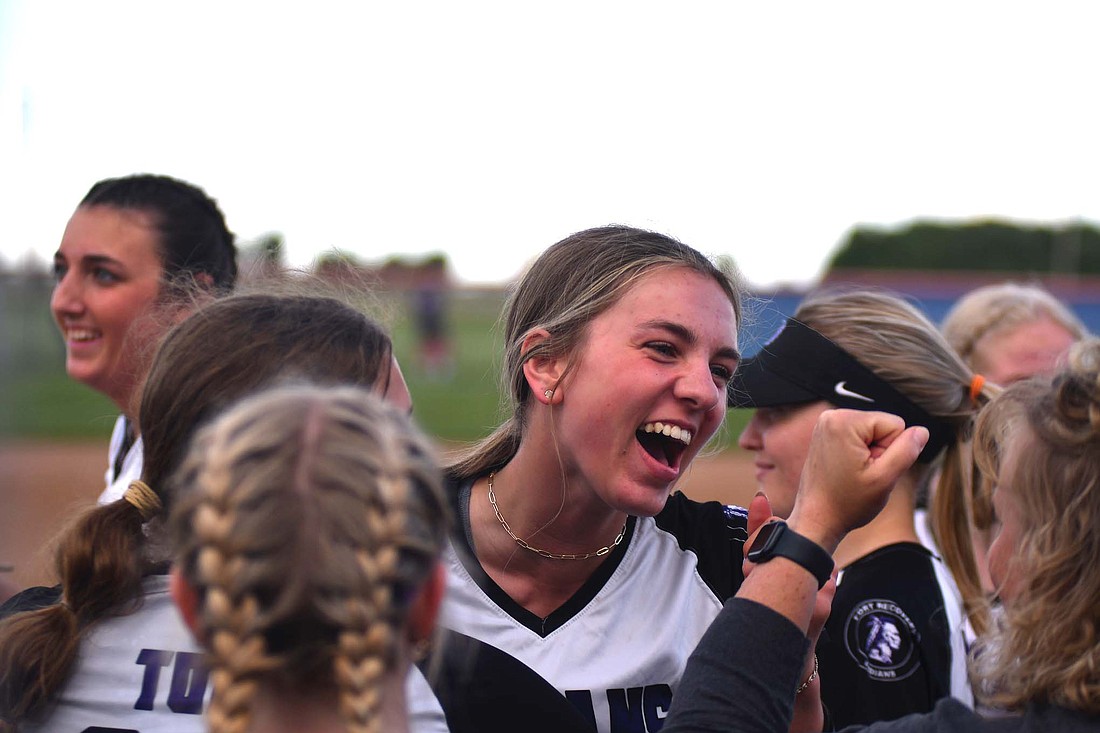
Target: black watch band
{"type": "Point", "coordinates": [776, 539]}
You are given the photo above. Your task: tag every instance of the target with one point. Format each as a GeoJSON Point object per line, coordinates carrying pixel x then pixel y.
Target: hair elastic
{"type": "Point", "coordinates": [144, 499]}
{"type": "Point", "coordinates": [976, 385]}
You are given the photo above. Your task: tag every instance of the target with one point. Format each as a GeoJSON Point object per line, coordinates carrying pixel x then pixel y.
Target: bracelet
{"type": "Point", "coordinates": [811, 678]}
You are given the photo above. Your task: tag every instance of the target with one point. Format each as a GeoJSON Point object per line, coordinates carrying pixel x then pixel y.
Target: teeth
{"type": "Point", "coordinates": [672, 431]}
{"type": "Point", "coordinates": [81, 334]}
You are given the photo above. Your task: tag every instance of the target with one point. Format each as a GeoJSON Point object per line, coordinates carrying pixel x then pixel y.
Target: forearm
{"type": "Point", "coordinates": [809, 714]}
{"type": "Point", "coordinates": [743, 674]}
{"type": "Point", "coordinates": [788, 589]}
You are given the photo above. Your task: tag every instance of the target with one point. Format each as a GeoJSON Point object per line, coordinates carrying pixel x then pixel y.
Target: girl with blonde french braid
{"type": "Point", "coordinates": [309, 526]}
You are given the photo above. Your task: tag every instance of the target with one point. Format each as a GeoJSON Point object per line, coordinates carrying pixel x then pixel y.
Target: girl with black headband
{"type": "Point", "coordinates": [894, 642]}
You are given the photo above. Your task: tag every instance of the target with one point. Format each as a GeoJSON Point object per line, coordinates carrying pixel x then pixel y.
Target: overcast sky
{"type": "Point", "coordinates": [490, 130]}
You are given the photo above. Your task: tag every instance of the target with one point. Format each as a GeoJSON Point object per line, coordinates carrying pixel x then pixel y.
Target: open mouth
{"type": "Point", "coordinates": [666, 443]}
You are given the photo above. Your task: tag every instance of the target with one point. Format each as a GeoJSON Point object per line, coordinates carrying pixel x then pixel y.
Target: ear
{"type": "Point", "coordinates": [542, 372]}
{"type": "Point", "coordinates": [186, 599]}
{"type": "Point", "coordinates": [425, 607]}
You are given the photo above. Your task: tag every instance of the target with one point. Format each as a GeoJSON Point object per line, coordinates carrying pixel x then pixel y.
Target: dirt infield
{"type": "Point", "coordinates": [44, 484]}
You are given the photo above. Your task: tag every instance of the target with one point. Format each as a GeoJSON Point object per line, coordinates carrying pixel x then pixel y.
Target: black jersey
{"type": "Point", "coordinates": [888, 645]}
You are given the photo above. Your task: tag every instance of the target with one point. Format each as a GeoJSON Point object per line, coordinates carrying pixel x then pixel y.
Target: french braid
{"type": "Point", "coordinates": [308, 519]}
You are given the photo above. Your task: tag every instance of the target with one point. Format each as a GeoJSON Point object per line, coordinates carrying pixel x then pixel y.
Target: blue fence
{"type": "Point", "coordinates": [765, 314]}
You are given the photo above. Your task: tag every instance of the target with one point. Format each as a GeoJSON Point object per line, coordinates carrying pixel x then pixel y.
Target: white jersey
{"type": "Point", "coordinates": [617, 649]}
{"type": "Point", "coordinates": [922, 522]}
{"type": "Point", "coordinates": [143, 672]}
{"type": "Point", "coordinates": [425, 714]}
{"type": "Point", "coordinates": [131, 463]}
{"type": "Point", "coordinates": [962, 633]}
{"type": "Point", "coordinates": [140, 672]}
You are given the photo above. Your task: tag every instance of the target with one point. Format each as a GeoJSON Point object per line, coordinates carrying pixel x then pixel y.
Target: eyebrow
{"type": "Point", "coordinates": [691, 337]}
{"type": "Point", "coordinates": [89, 259]}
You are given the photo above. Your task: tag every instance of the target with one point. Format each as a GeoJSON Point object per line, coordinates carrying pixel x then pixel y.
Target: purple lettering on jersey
{"type": "Point", "coordinates": [656, 700]}
{"type": "Point", "coordinates": [188, 684]}
{"type": "Point", "coordinates": [632, 710]}
{"type": "Point", "coordinates": [582, 701]}
{"type": "Point", "coordinates": [626, 710]}
{"type": "Point", "coordinates": [153, 659]}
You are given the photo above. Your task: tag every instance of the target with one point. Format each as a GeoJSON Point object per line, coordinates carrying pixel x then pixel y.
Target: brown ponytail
{"type": "Point", "coordinates": [100, 562]}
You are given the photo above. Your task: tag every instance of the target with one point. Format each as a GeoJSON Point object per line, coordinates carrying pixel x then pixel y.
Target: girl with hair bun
{"type": "Point", "coordinates": [308, 524]}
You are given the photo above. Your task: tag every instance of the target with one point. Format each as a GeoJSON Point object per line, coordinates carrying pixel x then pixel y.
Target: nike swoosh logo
{"type": "Point", "coordinates": [843, 391]}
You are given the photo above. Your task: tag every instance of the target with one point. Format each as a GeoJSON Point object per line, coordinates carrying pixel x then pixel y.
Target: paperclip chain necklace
{"type": "Point", "coordinates": [544, 553]}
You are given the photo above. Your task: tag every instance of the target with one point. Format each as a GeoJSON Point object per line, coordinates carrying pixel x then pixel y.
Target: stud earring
{"type": "Point", "coordinates": [548, 393]}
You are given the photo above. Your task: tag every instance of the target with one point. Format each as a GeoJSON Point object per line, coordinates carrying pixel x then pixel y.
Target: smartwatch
{"type": "Point", "coordinates": [776, 539]}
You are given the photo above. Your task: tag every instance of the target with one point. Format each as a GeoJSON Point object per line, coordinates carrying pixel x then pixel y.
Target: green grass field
{"type": "Point", "coordinates": [38, 400]}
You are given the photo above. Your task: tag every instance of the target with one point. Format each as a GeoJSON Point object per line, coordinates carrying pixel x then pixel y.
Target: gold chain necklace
{"type": "Point", "coordinates": [553, 556]}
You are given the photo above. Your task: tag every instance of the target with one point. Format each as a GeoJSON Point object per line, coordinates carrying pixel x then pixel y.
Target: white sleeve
{"type": "Point", "coordinates": [131, 471]}
{"type": "Point", "coordinates": [425, 712]}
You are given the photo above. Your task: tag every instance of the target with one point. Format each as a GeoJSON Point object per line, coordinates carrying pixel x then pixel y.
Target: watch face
{"type": "Point", "coordinates": [765, 540]}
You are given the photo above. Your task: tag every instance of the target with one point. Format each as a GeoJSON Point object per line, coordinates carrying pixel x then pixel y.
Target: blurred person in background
{"type": "Point", "coordinates": [133, 257]}
{"type": "Point", "coordinates": [894, 642]}
{"type": "Point", "coordinates": [1005, 332]}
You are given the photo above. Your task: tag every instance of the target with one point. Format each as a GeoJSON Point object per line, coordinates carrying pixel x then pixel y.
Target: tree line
{"type": "Point", "coordinates": [1073, 248]}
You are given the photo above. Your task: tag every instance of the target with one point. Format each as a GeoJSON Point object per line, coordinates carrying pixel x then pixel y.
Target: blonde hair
{"type": "Point", "coordinates": [569, 285]}
{"type": "Point", "coordinates": [1046, 647]}
{"type": "Point", "coordinates": [995, 309]}
{"type": "Point", "coordinates": [899, 344]}
{"type": "Point", "coordinates": [307, 520]}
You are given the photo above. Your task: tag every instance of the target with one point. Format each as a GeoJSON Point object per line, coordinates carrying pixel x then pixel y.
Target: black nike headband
{"type": "Point", "coordinates": [800, 365]}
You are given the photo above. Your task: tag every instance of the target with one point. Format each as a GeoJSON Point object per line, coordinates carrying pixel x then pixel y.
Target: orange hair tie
{"type": "Point", "coordinates": [976, 385]}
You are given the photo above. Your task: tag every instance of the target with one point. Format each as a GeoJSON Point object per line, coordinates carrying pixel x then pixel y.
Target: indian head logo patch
{"type": "Point", "coordinates": [882, 640]}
